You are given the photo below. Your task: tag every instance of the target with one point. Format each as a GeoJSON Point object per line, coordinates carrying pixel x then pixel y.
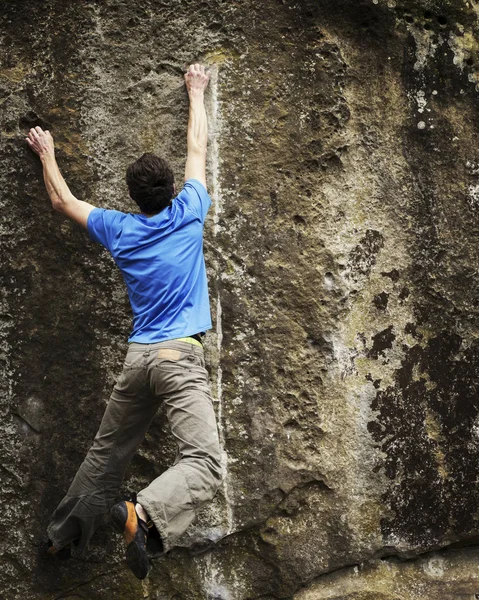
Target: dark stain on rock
{"type": "Point", "coordinates": [423, 430]}
{"type": "Point", "coordinates": [382, 341]}
{"type": "Point", "coordinates": [393, 274]}
{"type": "Point", "coordinates": [380, 301]}
{"type": "Point", "coordinates": [363, 257]}
{"type": "Point", "coordinates": [376, 382]}
{"type": "Point", "coordinates": [411, 328]}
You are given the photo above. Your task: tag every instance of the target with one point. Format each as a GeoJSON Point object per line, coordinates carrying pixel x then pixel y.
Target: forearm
{"type": "Point", "coordinates": [57, 188]}
{"type": "Point", "coordinates": [197, 138]}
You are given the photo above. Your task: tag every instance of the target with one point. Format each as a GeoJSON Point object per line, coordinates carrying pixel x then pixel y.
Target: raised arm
{"type": "Point", "coordinates": [61, 197]}
{"type": "Point", "coordinates": [196, 79]}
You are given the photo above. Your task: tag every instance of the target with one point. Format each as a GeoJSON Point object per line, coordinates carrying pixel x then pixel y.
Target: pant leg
{"type": "Point", "coordinates": [94, 489]}
{"type": "Point", "coordinates": [172, 500]}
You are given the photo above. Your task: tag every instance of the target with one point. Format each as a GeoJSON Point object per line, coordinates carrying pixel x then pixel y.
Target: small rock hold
{"type": "Point", "coordinates": [421, 125]}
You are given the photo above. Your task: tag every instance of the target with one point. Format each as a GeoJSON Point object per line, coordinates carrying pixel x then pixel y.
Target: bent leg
{"type": "Point", "coordinates": [173, 499]}
{"type": "Point", "coordinates": [127, 417]}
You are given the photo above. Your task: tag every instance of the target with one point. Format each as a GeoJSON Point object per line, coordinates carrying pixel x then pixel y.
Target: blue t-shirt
{"type": "Point", "coordinates": [161, 259]}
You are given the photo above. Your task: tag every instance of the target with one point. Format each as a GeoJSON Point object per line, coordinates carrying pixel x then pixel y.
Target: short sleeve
{"type": "Point", "coordinates": [103, 225]}
{"type": "Point", "coordinates": [196, 198]}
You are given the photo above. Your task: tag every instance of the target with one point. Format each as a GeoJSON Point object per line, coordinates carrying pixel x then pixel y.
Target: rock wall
{"type": "Point", "coordinates": [342, 249]}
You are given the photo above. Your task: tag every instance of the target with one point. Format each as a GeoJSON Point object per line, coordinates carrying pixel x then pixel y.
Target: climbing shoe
{"type": "Point", "coordinates": [135, 532]}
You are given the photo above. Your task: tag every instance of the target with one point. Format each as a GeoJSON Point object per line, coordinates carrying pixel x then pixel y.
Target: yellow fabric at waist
{"type": "Point", "coordinates": [189, 340]}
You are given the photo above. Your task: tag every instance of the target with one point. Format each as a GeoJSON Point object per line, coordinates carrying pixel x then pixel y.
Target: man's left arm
{"type": "Point", "coordinates": [61, 197]}
{"type": "Point", "coordinates": [196, 79]}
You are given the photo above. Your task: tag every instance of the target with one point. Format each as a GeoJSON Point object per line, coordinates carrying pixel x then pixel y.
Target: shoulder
{"type": "Point", "coordinates": [109, 213]}
{"type": "Point", "coordinates": [106, 215]}
{"type": "Point", "coordinates": [103, 224]}
{"type": "Point", "coordinates": [194, 185]}
{"type": "Point", "coordinates": [195, 196]}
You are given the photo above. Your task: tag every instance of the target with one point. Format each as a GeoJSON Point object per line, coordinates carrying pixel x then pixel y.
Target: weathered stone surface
{"type": "Point", "coordinates": [342, 252]}
{"type": "Point", "coordinates": [452, 574]}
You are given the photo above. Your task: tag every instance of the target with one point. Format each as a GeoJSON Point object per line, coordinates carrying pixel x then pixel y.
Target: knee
{"type": "Point", "coordinates": [215, 474]}
{"type": "Point", "coordinates": [205, 473]}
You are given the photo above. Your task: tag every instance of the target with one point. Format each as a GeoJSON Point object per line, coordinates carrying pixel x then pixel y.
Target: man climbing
{"type": "Point", "coordinates": [160, 254]}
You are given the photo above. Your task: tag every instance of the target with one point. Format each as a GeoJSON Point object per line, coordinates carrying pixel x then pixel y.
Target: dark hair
{"type": "Point", "coordinates": [150, 181]}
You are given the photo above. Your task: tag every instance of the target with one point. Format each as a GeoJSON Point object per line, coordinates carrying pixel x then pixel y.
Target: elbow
{"type": "Point", "coordinates": [198, 148]}
{"type": "Point", "coordinates": [58, 204]}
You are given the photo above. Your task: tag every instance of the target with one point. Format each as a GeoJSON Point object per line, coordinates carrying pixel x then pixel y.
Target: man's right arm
{"type": "Point", "coordinates": [41, 142]}
{"type": "Point", "coordinates": [196, 79]}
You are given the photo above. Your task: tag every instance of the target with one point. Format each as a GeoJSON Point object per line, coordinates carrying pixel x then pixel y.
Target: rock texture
{"type": "Point", "coordinates": [342, 249]}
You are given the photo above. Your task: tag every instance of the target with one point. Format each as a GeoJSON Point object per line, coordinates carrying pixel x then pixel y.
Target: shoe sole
{"type": "Point", "coordinates": [137, 560]}
{"type": "Point", "coordinates": [136, 556]}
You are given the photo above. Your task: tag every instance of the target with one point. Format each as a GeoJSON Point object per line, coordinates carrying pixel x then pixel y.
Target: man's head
{"type": "Point", "coordinates": [151, 183]}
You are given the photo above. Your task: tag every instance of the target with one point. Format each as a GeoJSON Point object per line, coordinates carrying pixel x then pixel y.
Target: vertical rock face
{"type": "Point", "coordinates": [342, 249]}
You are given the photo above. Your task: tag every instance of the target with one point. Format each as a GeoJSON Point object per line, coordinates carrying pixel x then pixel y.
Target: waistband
{"type": "Point", "coordinates": [176, 343]}
{"type": "Point", "coordinates": [189, 340]}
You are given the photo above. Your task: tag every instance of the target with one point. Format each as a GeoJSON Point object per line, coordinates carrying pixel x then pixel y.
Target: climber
{"type": "Point", "coordinates": [160, 254]}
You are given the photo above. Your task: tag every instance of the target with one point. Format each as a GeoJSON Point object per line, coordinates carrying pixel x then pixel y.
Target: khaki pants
{"type": "Point", "coordinates": [172, 373]}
